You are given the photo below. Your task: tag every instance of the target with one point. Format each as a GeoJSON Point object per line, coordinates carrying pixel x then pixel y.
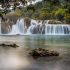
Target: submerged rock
{"type": "Point", "coordinates": [9, 45]}
{"type": "Point", "coordinates": [40, 52]}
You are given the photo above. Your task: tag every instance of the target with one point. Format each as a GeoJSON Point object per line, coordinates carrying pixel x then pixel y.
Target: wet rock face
{"type": "Point", "coordinates": [40, 52]}
{"type": "Point", "coordinates": [27, 22]}
{"type": "Point", "coordinates": [12, 17]}
{"type": "Point", "coordinates": [7, 22]}
{"type": "Point", "coordinates": [39, 29]}
{"type": "Point", "coordinates": [5, 27]}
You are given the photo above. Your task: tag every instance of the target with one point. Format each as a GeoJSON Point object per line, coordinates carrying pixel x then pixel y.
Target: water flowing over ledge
{"type": "Point", "coordinates": [37, 27]}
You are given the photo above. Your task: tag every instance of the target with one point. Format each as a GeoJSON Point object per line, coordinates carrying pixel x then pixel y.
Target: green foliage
{"type": "Point", "coordinates": [30, 7]}
{"type": "Point", "coordinates": [17, 12]}
{"type": "Point", "coordinates": [67, 17]}
{"type": "Point", "coordinates": [27, 13]}
{"type": "Point", "coordinates": [43, 14]}
{"type": "Point", "coordinates": [60, 14]}
{"type": "Point", "coordinates": [46, 9]}
{"type": "Point", "coordinates": [49, 9]}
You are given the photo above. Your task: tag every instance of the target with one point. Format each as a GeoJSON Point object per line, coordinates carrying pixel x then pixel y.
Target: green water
{"type": "Point", "coordinates": [47, 41]}
{"type": "Point", "coordinates": [38, 40]}
{"type": "Point", "coordinates": [18, 58]}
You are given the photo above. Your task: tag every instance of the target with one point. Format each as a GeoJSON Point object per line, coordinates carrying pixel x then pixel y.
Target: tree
{"type": "Point", "coordinates": [31, 7]}
{"type": "Point", "coordinates": [44, 14]}
{"type": "Point", "coordinates": [4, 2]}
{"type": "Point", "coordinates": [60, 14]}
{"type": "Point", "coordinates": [67, 17]}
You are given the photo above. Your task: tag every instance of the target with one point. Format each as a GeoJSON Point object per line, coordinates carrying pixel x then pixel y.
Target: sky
{"type": "Point", "coordinates": [35, 1]}
{"type": "Point", "coordinates": [38, 0]}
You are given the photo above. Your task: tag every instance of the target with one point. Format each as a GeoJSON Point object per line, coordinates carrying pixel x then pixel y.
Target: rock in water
{"type": "Point", "coordinates": [9, 45]}
{"type": "Point", "coordinates": [40, 52]}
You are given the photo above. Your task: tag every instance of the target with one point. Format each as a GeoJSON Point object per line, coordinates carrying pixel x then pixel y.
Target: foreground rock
{"type": "Point", "coordinates": [9, 45]}
{"type": "Point", "coordinates": [40, 52]}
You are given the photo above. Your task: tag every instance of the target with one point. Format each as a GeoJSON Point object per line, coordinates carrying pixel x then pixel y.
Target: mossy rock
{"type": "Point", "coordinates": [40, 52]}
{"type": "Point", "coordinates": [27, 21]}
{"type": "Point", "coordinates": [12, 17]}
{"type": "Point", "coordinates": [13, 45]}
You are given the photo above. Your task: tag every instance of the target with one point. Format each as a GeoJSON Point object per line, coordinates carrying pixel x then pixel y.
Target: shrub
{"type": "Point", "coordinates": [67, 17]}
{"type": "Point", "coordinates": [59, 14]}
{"type": "Point", "coordinates": [44, 14]}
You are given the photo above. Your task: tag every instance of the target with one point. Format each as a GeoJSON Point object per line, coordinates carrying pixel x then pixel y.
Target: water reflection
{"type": "Point", "coordinates": [47, 41]}
{"type": "Point", "coordinates": [12, 59]}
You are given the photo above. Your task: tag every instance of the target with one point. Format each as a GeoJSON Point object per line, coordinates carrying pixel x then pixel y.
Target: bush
{"type": "Point", "coordinates": [18, 12]}
{"type": "Point", "coordinates": [44, 14]}
{"type": "Point", "coordinates": [67, 17]}
{"type": "Point", "coordinates": [59, 14]}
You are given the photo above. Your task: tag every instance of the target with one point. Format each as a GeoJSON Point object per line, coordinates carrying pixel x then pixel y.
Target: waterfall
{"type": "Point", "coordinates": [60, 29]}
{"type": "Point", "coordinates": [38, 27]}
{"type": "Point", "coordinates": [18, 28]}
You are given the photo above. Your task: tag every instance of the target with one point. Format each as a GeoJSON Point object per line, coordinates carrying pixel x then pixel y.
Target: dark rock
{"type": "Point", "coordinates": [40, 52]}
{"type": "Point", "coordinates": [39, 29]}
{"type": "Point", "coordinates": [9, 45]}
{"type": "Point", "coordinates": [27, 22]}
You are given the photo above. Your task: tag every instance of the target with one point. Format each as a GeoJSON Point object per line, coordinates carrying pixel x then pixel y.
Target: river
{"type": "Point", "coordinates": [18, 58]}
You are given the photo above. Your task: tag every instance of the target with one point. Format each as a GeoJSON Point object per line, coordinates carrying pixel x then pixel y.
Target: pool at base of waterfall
{"type": "Point", "coordinates": [19, 59]}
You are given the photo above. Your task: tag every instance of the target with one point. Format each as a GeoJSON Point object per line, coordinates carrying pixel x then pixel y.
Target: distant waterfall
{"type": "Point", "coordinates": [38, 27]}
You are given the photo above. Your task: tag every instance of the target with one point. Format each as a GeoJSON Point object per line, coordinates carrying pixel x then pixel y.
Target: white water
{"type": "Point", "coordinates": [38, 28]}
{"type": "Point", "coordinates": [60, 29]}
{"type": "Point", "coordinates": [18, 28]}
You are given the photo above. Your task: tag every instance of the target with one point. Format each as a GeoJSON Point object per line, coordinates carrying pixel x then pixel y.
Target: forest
{"type": "Point", "coordinates": [43, 10]}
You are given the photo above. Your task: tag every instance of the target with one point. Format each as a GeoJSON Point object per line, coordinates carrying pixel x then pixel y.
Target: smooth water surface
{"type": "Point", "coordinates": [18, 58]}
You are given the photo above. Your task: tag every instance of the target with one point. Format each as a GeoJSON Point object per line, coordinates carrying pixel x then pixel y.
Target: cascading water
{"type": "Point", "coordinates": [18, 28]}
{"type": "Point", "coordinates": [39, 28]}
{"type": "Point", "coordinates": [60, 29]}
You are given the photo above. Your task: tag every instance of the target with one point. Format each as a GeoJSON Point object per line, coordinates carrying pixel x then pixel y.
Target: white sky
{"type": "Point", "coordinates": [35, 1]}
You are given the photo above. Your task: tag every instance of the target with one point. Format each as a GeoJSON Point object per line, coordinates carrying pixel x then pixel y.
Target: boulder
{"type": "Point", "coordinates": [40, 52]}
